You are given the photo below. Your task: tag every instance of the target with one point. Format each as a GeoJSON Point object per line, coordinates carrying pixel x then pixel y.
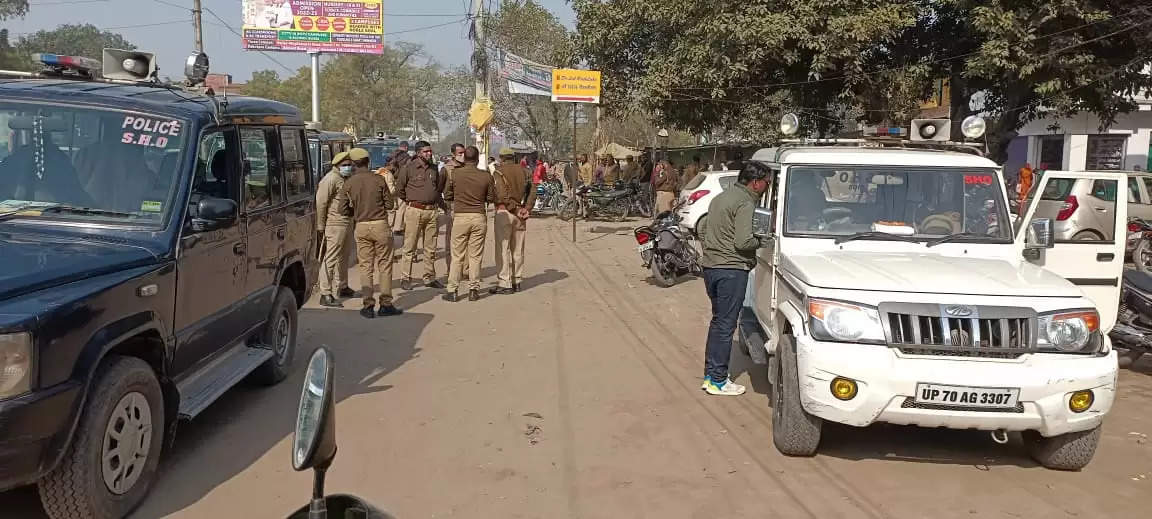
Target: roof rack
{"type": "Point", "coordinates": [881, 142]}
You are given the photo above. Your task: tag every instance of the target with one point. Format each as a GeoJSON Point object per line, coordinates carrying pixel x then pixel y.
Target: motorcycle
{"type": "Point", "coordinates": [665, 249]}
{"type": "Point", "coordinates": [548, 195]}
{"type": "Point", "coordinates": [314, 445]}
{"type": "Point", "coordinates": [1132, 334]}
{"type": "Point", "coordinates": [1139, 241]}
{"type": "Point", "coordinates": [614, 201]}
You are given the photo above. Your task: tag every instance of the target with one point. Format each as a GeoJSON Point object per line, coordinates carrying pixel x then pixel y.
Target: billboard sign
{"type": "Point", "coordinates": [332, 26]}
{"type": "Point", "coordinates": [525, 76]}
{"type": "Point", "coordinates": [576, 86]}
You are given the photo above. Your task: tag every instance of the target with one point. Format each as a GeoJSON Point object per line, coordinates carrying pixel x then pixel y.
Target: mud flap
{"type": "Point", "coordinates": [753, 336]}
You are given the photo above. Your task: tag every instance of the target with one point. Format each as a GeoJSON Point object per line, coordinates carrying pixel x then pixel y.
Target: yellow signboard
{"type": "Point", "coordinates": [576, 86]}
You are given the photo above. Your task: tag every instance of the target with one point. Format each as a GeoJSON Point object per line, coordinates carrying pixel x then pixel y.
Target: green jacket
{"type": "Point", "coordinates": [728, 240]}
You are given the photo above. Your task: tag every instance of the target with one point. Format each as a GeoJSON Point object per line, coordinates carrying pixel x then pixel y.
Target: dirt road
{"type": "Point", "coordinates": [579, 398]}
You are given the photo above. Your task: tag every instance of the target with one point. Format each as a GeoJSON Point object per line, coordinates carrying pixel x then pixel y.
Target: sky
{"type": "Point", "coordinates": [165, 29]}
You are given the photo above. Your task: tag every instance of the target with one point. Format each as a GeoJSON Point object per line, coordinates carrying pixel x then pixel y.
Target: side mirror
{"type": "Point", "coordinates": [761, 222]}
{"type": "Point", "coordinates": [214, 213]}
{"type": "Point", "coordinates": [314, 440]}
{"type": "Point", "coordinates": [1039, 234]}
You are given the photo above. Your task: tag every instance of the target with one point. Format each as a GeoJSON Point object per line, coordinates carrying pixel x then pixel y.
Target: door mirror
{"type": "Point", "coordinates": [762, 222]}
{"type": "Point", "coordinates": [314, 441]}
{"type": "Point", "coordinates": [214, 213]}
{"type": "Point", "coordinates": [1039, 234]}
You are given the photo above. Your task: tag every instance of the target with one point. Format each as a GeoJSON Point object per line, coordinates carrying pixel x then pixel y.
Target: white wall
{"type": "Point", "coordinates": [1138, 125]}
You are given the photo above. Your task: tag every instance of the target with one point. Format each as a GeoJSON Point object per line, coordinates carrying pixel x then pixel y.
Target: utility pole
{"type": "Point", "coordinates": [197, 26]}
{"type": "Point", "coordinates": [415, 131]}
{"type": "Point", "coordinates": [478, 49]}
{"type": "Point", "coordinates": [315, 86]}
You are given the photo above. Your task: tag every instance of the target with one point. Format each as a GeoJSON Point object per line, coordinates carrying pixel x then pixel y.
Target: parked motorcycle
{"type": "Point", "coordinates": [1140, 240]}
{"type": "Point", "coordinates": [314, 445]}
{"type": "Point", "coordinates": [548, 195]}
{"type": "Point", "coordinates": [1132, 334]}
{"type": "Point", "coordinates": [666, 250]}
{"type": "Point", "coordinates": [613, 201]}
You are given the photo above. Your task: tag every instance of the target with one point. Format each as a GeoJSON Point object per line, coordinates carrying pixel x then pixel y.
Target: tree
{"type": "Point", "coordinates": [71, 40]}
{"type": "Point", "coordinates": [13, 8]}
{"type": "Point", "coordinates": [527, 29]}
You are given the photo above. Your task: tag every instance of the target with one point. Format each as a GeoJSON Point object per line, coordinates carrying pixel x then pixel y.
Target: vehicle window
{"type": "Point", "coordinates": [1104, 190]}
{"type": "Point", "coordinates": [726, 182]}
{"type": "Point", "coordinates": [928, 202]}
{"type": "Point", "coordinates": [1057, 188]}
{"type": "Point", "coordinates": [259, 186]}
{"type": "Point", "coordinates": [1105, 152]}
{"type": "Point", "coordinates": [314, 152]}
{"type": "Point", "coordinates": [1133, 191]}
{"type": "Point", "coordinates": [295, 169]}
{"type": "Point", "coordinates": [1147, 185]}
{"type": "Point", "coordinates": [695, 182]}
{"type": "Point", "coordinates": [91, 164]}
{"type": "Point", "coordinates": [1076, 218]}
{"type": "Point", "coordinates": [380, 153]}
{"type": "Point", "coordinates": [212, 168]}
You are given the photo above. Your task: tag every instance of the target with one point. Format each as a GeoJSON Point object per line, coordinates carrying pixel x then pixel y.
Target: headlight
{"type": "Point", "coordinates": [837, 321]}
{"type": "Point", "coordinates": [1068, 331]}
{"type": "Point", "coordinates": [15, 364]}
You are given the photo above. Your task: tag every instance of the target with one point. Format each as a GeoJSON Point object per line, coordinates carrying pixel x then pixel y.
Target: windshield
{"type": "Point", "coordinates": [914, 201]}
{"type": "Point", "coordinates": [380, 153]}
{"type": "Point", "coordinates": [88, 164]}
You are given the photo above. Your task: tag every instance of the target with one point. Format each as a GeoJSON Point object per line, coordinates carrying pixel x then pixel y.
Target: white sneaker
{"type": "Point", "coordinates": [728, 388]}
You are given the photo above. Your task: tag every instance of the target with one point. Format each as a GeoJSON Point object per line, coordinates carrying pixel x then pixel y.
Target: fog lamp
{"type": "Point", "coordinates": [843, 388]}
{"type": "Point", "coordinates": [1080, 401]}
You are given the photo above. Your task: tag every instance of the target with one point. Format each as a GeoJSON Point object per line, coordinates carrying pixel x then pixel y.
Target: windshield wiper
{"type": "Point", "coordinates": [954, 237]}
{"type": "Point", "coordinates": [88, 210]}
{"type": "Point", "coordinates": [875, 235]}
{"type": "Point", "coordinates": [31, 206]}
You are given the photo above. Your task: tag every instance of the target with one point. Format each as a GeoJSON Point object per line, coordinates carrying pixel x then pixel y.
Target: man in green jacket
{"type": "Point", "coordinates": [729, 253]}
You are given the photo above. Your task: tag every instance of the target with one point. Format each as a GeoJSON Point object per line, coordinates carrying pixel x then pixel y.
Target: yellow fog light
{"type": "Point", "coordinates": [1081, 401]}
{"type": "Point", "coordinates": [843, 388]}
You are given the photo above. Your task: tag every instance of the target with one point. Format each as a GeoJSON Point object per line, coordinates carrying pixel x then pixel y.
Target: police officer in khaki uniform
{"type": "Point", "coordinates": [587, 172]}
{"type": "Point", "coordinates": [420, 184]}
{"type": "Point", "coordinates": [513, 201]}
{"type": "Point", "coordinates": [469, 188]}
{"type": "Point", "coordinates": [666, 183]}
{"type": "Point", "coordinates": [334, 227]}
{"type": "Point", "coordinates": [611, 170]}
{"type": "Point", "coordinates": [456, 161]}
{"type": "Point", "coordinates": [366, 197]}
{"type": "Point", "coordinates": [631, 170]}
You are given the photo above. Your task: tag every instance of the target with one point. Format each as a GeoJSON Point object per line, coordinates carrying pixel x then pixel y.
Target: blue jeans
{"type": "Point", "coordinates": [726, 288]}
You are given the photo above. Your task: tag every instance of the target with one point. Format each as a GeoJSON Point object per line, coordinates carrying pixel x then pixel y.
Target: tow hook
{"type": "Point", "coordinates": [1000, 436]}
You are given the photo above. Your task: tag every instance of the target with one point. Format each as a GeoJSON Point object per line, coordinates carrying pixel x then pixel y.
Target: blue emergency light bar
{"type": "Point", "coordinates": [885, 131]}
{"type": "Point", "coordinates": [74, 62]}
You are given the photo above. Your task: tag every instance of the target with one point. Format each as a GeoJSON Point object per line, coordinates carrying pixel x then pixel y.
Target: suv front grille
{"type": "Point", "coordinates": [959, 330]}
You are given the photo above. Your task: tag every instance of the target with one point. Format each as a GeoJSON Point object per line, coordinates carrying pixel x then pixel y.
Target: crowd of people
{"type": "Point", "coordinates": [413, 195]}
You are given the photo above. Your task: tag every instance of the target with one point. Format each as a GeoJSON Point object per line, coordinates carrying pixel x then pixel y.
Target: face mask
{"type": "Point", "coordinates": [345, 171]}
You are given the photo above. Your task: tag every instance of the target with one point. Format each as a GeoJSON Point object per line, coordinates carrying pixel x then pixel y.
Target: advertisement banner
{"type": "Point", "coordinates": [330, 26]}
{"type": "Point", "coordinates": [525, 76]}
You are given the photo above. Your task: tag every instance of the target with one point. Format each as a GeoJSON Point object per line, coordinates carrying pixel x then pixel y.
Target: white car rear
{"type": "Point", "coordinates": [698, 193]}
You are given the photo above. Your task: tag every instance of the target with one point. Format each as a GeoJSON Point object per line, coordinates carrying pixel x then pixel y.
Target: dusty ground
{"type": "Point", "coordinates": [579, 398]}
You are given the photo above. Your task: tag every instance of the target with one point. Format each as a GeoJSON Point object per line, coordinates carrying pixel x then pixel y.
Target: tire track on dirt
{"type": "Point", "coordinates": [797, 491]}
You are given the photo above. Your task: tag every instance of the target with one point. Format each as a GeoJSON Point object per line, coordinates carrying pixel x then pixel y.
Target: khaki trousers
{"type": "Point", "coordinates": [664, 201]}
{"type": "Point", "coordinates": [374, 249]}
{"type": "Point", "coordinates": [468, 230]}
{"type": "Point", "coordinates": [419, 223]}
{"type": "Point", "coordinates": [447, 217]}
{"type": "Point", "coordinates": [334, 264]}
{"type": "Point", "coordinates": [509, 247]}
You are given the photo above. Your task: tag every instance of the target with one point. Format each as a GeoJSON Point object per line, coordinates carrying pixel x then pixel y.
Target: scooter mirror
{"type": "Point", "coordinates": [314, 441]}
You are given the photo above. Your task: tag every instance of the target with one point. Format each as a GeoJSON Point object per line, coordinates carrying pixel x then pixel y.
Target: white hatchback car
{"type": "Point", "coordinates": [698, 193]}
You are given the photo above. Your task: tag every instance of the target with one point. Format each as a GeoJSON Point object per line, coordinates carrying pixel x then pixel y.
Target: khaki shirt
{"type": "Point", "coordinates": [666, 180]}
{"type": "Point", "coordinates": [366, 197]}
{"type": "Point", "coordinates": [469, 188]}
{"type": "Point", "coordinates": [631, 171]}
{"type": "Point", "coordinates": [512, 182]}
{"type": "Point", "coordinates": [587, 173]}
{"type": "Point", "coordinates": [611, 174]}
{"type": "Point", "coordinates": [419, 182]}
{"type": "Point", "coordinates": [327, 203]}
{"type": "Point", "coordinates": [690, 172]}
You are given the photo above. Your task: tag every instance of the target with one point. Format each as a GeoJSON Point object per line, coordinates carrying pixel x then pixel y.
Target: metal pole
{"type": "Point", "coordinates": [197, 26]}
{"type": "Point", "coordinates": [481, 80]}
{"type": "Point", "coordinates": [573, 187]}
{"type": "Point", "coordinates": [315, 86]}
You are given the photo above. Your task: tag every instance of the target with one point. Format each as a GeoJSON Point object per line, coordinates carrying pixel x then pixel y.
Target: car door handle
{"type": "Point", "coordinates": [1105, 256]}
{"type": "Point", "coordinates": [280, 233]}
{"type": "Point", "coordinates": [1101, 209]}
{"type": "Point", "coordinates": [238, 249]}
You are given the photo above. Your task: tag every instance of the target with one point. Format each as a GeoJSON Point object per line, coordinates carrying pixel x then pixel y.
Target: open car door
{"type": "Point", "coordinates": [1089, 225]}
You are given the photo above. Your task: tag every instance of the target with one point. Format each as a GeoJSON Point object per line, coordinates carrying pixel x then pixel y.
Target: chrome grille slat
{"type": "Point", "coordinates": [978, 331]}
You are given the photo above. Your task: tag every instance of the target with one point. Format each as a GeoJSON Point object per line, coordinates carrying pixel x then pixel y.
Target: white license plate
{"type": "Point", "coordinates": [964, 396]}
{"type": "Point", "coordinates": [646, 246]}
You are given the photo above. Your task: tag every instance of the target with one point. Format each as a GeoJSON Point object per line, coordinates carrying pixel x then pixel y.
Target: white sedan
{"type": "Point", "coordinates": [698, 193]}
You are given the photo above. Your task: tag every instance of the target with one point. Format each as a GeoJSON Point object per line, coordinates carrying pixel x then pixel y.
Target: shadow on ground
{"type": "Point", "coordinates": [248, 421]}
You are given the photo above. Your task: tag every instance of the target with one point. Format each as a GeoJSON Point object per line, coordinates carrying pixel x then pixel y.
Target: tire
{"type": "Point", "coordinates": [567, 210]}
{"type": "Point", "coordinates": [1087, 236]}
{"type": "Point", "coordinates": [794, 431]}
{"type": "Point", "coordinates": [1142, 256]}
{"type": "Point", "coordinates": [620, 209]}
{"type": "Point", "coordinates": [1071, 451]}
{"type": "Point", "coordinates": [123, 390]}
{"type": "Point", "coordinates": [663, 279]}
{"type": "Point", "coordinates": [279, 333]}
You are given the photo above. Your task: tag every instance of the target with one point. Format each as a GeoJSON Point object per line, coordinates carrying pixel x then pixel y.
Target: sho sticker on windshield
{"type": "Point", "coordinates": [983, 180]}
{"type": "Point", "coordinates": [149, 206]}
{"type": "Point", "coordinates": [146, 131]}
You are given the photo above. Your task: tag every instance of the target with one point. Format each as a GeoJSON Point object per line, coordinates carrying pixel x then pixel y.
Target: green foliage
{"type": "Point", "coordinates": [71, 40]}
{"type": "Point", "coordinates": [13, 8]}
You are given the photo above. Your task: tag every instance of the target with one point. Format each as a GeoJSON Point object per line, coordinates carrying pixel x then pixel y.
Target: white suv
{"type": "Point", "coordinates": [893, 289]}
{"type": "Point", "coordinates": [698, 193]}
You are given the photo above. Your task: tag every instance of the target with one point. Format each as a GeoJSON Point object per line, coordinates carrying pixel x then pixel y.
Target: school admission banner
{"type": "Point", "coordinates": [525, 76]}
{"type": "Point", "coordinates": [332, 26]}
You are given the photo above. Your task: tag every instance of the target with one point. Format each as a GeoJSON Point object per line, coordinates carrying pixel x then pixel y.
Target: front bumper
{"type": "Point", "coordinates": [887, 379]}
{"type": "Point", "coordinates": [32, 429]}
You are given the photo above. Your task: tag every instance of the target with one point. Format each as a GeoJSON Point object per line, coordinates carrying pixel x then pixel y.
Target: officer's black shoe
{"type": "Point", "coordinates": [368, 312]}
{"type": "Point", "coordinates": [515, 287]}
{"type": "Point", "coordinates": [388, 310]}
{"type": "Point", "coordinates": [327, 300]}
{"type": "Point", "coordinates": [501, 290]}
{"type": "Point", "coordinates": [406, 284]}
{"type": "Point", "coordinates": [433, 284]}
{"type": "Point", "coordinates": [450, 297]}
{"type": "Point", "coordinates": [473, 295]}
{"type": "Point", "coordinates": [348, 292]}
